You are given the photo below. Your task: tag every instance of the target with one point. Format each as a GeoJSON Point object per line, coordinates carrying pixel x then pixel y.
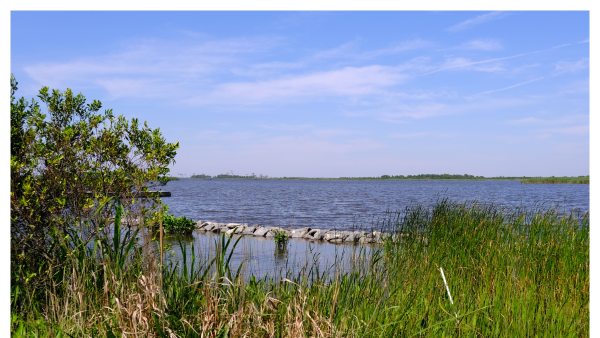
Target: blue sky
{"type": "Point", "coordinates": [330, 94]}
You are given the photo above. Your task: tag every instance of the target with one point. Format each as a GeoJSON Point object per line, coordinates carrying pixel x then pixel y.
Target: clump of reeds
{"type": "Point", "coordinates": [559, 180]}
{"type": "Point", "coordinates": [511, 273]}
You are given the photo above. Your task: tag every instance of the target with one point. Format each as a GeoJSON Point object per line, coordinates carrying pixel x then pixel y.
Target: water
{"type": "Point", "coordinates": [330, 205]}
{"type": "Point", "coordinates": [344, 204]}
{"type": "Point", "coordinates": [261, 257]}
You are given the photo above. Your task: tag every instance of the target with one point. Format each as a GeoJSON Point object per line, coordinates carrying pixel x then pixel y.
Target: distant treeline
{"type": "Point", "coordinates": [229, 176]}
{"type": "Point", "coordinates": [421, 177]}
{"type": "Point", "coordinates": [559, 180]}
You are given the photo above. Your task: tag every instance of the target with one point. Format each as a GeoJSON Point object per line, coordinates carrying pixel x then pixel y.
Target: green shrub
{"type": "Point", "coordinates": [281, 239]}
{"type": "Point", "coordinates": [67, 164]}
{"type": "Point", "coordinates": [176, 225]}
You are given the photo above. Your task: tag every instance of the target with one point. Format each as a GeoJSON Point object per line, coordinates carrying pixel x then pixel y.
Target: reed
{"type": "Point", "coordinates": [510, 272]}
{"type": "Point", "coordinates": [559, 180]}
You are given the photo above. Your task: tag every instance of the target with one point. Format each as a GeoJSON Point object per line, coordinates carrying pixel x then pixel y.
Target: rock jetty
{"type": "Point", "coordinates": [257, 230]}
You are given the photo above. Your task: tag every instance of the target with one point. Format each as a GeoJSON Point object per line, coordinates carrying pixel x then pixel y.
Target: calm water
{"type": "Point", "coordinates": [327, 205]}
{"type": "Point", "coordinates": [344, 204]}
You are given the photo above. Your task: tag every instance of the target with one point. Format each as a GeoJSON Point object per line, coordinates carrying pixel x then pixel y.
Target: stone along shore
{"type": "Point", "coordinates": [331, 236]}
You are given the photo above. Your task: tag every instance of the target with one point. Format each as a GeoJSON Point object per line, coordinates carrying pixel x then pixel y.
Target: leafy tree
{"type": "Point", "coordinates": [67, 164]}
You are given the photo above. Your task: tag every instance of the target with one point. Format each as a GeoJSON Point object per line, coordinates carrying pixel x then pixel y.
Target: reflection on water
{"type": "Point", "coordinates": [262, 257]}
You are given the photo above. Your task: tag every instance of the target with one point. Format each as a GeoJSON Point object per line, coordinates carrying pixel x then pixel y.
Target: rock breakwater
{"type": "Point", "coordinates": [257, 230]}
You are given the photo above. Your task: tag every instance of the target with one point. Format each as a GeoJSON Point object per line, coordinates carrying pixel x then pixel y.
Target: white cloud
{"type": "Point", "coordinates": [478, 20]}
{"type": "Point", "coordinates": [398, 48]}
{"type": "Point", "coordinates": [509, 87]}
{"type": "Point", "coordinates": [348, 81]}
{"type": "Point", "coordinates": [467, 64]}
{"type": "Point", "coordinates": [151, 67]}
{"type": "Point", "coordinates": [482, 44]}
{"type": "Point", "coordinates": [411, 135]}
{"type": "Point", "coordinates": [350, 50]}
{"type": "Point", "coordinates": [400, 112]}
{"type": "Point", "coordinates": [336, 132]}
{"type": "Point", "coordinates": [572, 67]}
{"type": "Point", "coordinates": [568, 119]}
{"type": "Point", "coordinates": [573, 130]}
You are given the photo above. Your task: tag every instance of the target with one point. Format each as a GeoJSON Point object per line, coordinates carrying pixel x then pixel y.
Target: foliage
{"type": "Point", "coordinates": [559, 180]}
{"type": "Point", "coordinates": [281, 238]}
{"type": "Point", "coordinates": [201, 176]}
{"type": "Point", "coordinates": [66, 165]}
{"type": "Point", "coordinates": [510, 273]}
{"type": "Point", "coordinates": [176, 225]}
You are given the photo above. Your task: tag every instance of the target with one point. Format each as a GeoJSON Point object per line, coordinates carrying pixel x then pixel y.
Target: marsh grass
{"type": "Point", "coordinates": [558, 180]}
{"type": "Point", "coordinates": [511, 273]}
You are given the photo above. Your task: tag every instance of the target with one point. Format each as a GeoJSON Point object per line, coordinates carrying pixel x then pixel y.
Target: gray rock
{"type": "Point", "coordinates": [353, 237]}
{"type": "Point", "coordinates": [240, 229]}
{"type": "Point", "coordinates": [319, 235]}
{"type": "Point", "coordinates": [335, 235]}
{"type": "Point", "coordinates": [250, 230]}
{"type": "Point", "coordinates": [311, 232]}
{"type": "Point", "coordinates": [200, 225]}
{"type": "Point", "coordinates": [336, 240]}
{"type": "Point", "coordinates": [366, 240]}
{"type": "Point", "coordinates": [298, 233]}
{"type": "Point", "coordinates": [233, 225]}
{"type": "Point", "coordinates": [260, 231]}
{"type": "Point", "coordinates": [229, 232]}
{"type": "Point", "coordinates": [270, 233]}
{"type": "Point", "coordinates": [220, 227]}
{"type": "Point", "coordinates": [208, 227]}
{"type": "Point", "coordinates": [377, 236]}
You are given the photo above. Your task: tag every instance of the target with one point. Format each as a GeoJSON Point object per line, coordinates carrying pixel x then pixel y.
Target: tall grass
{"type": "Point", "coordinates": [510, 273]}
{"type": "Point", "coordinates": [559, 180]}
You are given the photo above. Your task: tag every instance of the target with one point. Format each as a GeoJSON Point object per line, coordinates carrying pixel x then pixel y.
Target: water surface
{"type": "Point", "coordinates": [347, 204]}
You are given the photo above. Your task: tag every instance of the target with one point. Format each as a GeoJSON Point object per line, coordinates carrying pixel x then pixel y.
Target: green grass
{"type": "Point", "coordinates": [559, 180]}
{"type": "Point", "coordinates": [510, 274]}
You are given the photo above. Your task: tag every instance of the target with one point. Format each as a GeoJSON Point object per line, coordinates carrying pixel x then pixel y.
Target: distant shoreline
{"type": "Point", "coordinates": [535, 180]}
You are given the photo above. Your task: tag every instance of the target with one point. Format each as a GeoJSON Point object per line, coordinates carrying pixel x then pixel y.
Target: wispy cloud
{"type": "Point", "coordinates": [401, 112]}
{"type": "Point", "coordinates": [507, 88]}
{"type": "Point", "coordinates": [285, 126]}
{"type": "Point", "coordinates": [573, 130]}
{"type": "Point", "coordinates": [536, 121]}
{"type": "Point", "coordinates": [482, 44]}
{"type": "Point", "coordinates": [411, 135]}
{"type": "Point", "coordinates": [151, 67]}
{"type": "Point", "coordinates": [572, 67]}
{"type": "Point", "coordinates": [478, 20]}
{"type": "Point", "coordinates": [460, 62]}
{"type": "Point", "coordinates": [397, 48]}
{"type": "Point", "coordinates": [348, 81]}
{"type": "Point", "coordinates": [350, 50]}
{"type": "Point", "coordinates": [336, 132]}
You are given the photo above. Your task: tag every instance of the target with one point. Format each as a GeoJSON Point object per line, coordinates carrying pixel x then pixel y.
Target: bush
{"type": "Point", "coordinates": [66, 167]}
{"type": "Point", "coordinates": [281, 239]}
{"type": "Point", "coordinates": [176, 225]}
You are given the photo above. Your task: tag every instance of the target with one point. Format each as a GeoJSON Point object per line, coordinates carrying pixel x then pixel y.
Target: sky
{"type": "Point", "coordinates": [330, 94]}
